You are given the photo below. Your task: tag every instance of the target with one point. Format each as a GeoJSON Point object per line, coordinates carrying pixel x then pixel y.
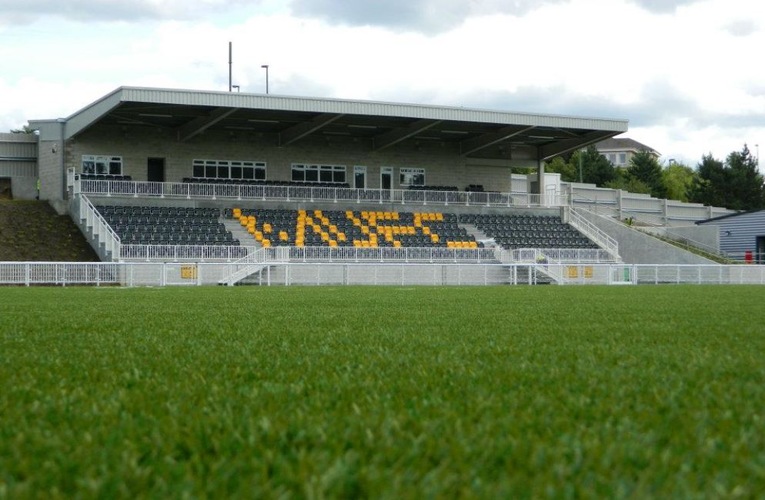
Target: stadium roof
{"type": "Point", "coordinates": [479, 133]}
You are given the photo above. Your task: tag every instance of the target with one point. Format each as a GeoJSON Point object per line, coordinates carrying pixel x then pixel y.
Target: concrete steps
{"type": "Point", "coordinates": [239, 232]}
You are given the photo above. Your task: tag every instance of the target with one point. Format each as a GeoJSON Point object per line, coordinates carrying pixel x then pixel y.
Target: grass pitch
{"type": "Point", "coordinates": [382, 392]}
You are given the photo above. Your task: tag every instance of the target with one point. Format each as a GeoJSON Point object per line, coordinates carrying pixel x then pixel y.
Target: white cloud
{"type": "Point", "coordinates": [686, 74]}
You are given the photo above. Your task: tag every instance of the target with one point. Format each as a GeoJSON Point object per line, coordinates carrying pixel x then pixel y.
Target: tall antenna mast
{"type": "Point", "coordinates": [229, 66]}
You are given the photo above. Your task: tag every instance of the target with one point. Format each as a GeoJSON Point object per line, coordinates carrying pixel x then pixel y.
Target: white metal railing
{"type": "Point", "coordinates": [350, 273]}
{"type": "Point", "coordinates": [563, 255]}
{"type": "Point", "coordinates": [254, 262]}
{"type": "Point", "coordinates": [257, 254]}
{"type": "Point", "coordinates": [390, 254]}
{"type": "Point", "coordinates": [60, 273]}
{"type": "Point", "coordinates": [102, 232]}
{"type": "Point", "coordinates": [183, 190]}
{"type": "Point", "coordinates": [180, 253]}
{"type": "Point", "coordinates": [594, 233]}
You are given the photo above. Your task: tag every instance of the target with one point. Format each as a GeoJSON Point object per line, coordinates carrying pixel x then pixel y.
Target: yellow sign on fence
{"type": "Point", "coordinates": [189, 272]}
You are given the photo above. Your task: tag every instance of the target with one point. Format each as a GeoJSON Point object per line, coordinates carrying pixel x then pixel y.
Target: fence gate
{"type": "Point", "coordinates": [181, 273]}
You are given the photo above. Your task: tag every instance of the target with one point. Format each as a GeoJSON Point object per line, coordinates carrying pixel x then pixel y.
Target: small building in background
{"type": "Point", "coordinates": [619, 151]}
{"type": "Point", "coordinates": [742, 235]}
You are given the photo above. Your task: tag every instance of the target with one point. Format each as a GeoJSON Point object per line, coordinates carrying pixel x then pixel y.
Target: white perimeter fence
{"type": "Point", "coordinates": [132, 274]}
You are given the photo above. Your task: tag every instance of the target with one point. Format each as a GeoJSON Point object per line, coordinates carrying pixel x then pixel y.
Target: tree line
{"type": "Point", "coordinates": [734, 183]}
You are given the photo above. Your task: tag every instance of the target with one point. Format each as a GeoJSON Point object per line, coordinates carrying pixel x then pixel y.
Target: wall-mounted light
{"type": "Point", "coordinates": [54, 149]}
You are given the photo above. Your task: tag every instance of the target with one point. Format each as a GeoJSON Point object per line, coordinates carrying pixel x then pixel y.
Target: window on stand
{"type": "Point", "coordinates": [229, 169]}
{"type": "Point", "coordinates": [101, 165]}
{"type": "Point", "coordinates": [327, 174]}
{"type": "Point", "coordinates": [411, 176]}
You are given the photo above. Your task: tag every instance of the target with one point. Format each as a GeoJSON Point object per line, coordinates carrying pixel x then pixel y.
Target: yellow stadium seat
{"type": "Point", "coordinates": [434, 238]}
{"type": "Point", "coordinates": [266, 243]}
{"type": "Point", "coordinates": [332, 243]}
{"type": "Point", "coordinates": [341, 237]}
{"type": "Point", "coordinates": [324, 236]}
{"type": "Point", "coordinates": [397, 244]}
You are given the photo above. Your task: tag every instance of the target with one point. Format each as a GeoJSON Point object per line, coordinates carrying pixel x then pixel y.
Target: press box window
{"type": "Point", "coordinates": [226, 169]}
{"type": "Point", "coordinates": [412, 176]}
{"type": "Point", "coordinates": [102, 165]}
{"type": "Point", "coordinates": [331, 174]}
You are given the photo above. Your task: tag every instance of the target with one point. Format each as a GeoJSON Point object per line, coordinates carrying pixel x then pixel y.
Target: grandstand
{"type": "Point", "coordinates": [264, 181]}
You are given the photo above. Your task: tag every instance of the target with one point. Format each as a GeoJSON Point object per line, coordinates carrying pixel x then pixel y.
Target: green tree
{"type": "Point", "coordinates": [568, 172]}
{"type": "Point", "coordinates": [627, 182]}
{"type": "Point", "coordinates": [645, 168]}
{"type": "Point", "coordinates": [678, 181]}
{"type": "Point", "coordinates": [734, 184]}
{"type": "Point", "coordinates": [26, 129]}
{"type": "Point", "coordinates": [745, 182]}
{"type": "Point", "coordinates": [596, 169]}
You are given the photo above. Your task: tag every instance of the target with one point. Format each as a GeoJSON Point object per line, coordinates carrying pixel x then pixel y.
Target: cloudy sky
{"type": "Point", "coordinates": [689, 75]}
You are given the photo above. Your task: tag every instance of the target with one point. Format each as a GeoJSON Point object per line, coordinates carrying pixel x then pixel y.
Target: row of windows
{"type": "Point", "coordinates": [102, 165]}
{"type": "Point", "coordinates": [318, 173]}
{"type": "Point", "coordinates": [250, 170]}
{"type": "Point", "coordinates": [224, 169]}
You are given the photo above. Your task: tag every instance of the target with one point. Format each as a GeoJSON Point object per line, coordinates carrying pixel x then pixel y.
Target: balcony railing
{"type": "Point", "coordinates": [182, 190]}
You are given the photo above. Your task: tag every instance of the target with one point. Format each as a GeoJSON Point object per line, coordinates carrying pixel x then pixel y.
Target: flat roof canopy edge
{"type": "Point", "coordinates": [222, 101]}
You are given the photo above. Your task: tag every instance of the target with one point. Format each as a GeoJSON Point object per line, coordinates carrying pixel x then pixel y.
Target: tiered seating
{"type": "Point", "coordinates": [529, 231]}
{"type": "Point", "coordinates": [167, 225]}
{"type": "Point", "coordinates": [269, 227]}
{"type": "Point", "coordinates": [362, 229]}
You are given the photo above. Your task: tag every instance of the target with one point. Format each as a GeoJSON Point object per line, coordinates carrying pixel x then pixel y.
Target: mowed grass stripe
{"type": "Point", "coordinates": [384, 392]}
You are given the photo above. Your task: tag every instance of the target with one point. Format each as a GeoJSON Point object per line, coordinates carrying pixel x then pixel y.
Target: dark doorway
{"type": "Point", "coordinates": [386, 178]}
{"type": "Point", "coordinates": [155, 170]}
{"type": "Point", "coordinates": [6, 192]}
{"type": "Point", "coordinates": [761, 249]}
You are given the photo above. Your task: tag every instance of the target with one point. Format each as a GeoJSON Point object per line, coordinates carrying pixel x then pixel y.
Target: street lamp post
{"type": "Point", "coordinates": [265, 66]}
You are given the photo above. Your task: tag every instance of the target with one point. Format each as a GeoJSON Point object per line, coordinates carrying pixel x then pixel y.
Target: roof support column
{"type": "Point", "coordinates": [540, 178]}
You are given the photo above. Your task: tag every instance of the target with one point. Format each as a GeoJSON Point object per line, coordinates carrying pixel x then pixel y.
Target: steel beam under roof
{"type": "Point", "coordinates": [395, 136]}
{"type": "Point", "coordinates": [484, 141]}
{"type": "Point", "coordinates": [301, 130]}
{"type": "Point", "coordinates": [202, 123]}
{"type": "Point", "coordinates": [562, 146]}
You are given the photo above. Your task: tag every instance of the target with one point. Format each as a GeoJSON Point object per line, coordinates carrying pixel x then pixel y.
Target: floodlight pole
{"type": "Point", "coordinates": [265, 66]}
{"type": "Point", "coordinates": [229, 67]}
